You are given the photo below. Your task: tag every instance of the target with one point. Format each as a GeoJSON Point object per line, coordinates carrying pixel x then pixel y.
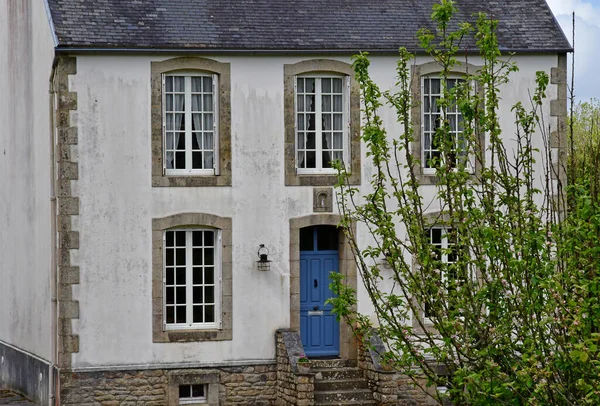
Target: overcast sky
{"type": "Point", "coordinates": [587, 42]}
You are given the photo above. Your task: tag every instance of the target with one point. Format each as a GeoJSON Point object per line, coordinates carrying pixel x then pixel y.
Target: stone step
{"type": "Point", "coordinates": [353, 395]}
{"type": "Point", "coordinates": [337, 373]}
{"type": "Point", "coordinates": [332, 363]}
{"type": "Point", "coordinates": [340, 384]}
{"type": "Point", "coordinates": [348, 402]}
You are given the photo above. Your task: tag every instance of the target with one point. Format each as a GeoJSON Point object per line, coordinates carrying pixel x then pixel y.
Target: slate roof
{"type": "Point", "coordinates": [292, 25]}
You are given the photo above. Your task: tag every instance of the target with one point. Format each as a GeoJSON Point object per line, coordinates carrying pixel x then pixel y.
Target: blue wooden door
{"type": "Point", "coordinates": [319, 329]}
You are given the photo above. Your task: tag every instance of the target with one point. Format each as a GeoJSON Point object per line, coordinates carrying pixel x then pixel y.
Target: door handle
{"type": "Point", "coordinates": [316, 283]}
{"type": "Point", "coordinates": [316, 308]}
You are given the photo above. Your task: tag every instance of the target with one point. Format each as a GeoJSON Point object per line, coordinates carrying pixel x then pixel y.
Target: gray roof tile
{"type": "Point", "coordinates": [300, 25]}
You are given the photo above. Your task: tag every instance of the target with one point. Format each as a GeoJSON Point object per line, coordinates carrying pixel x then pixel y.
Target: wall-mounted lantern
{"type": "Point", "coordinates": [263, 262]}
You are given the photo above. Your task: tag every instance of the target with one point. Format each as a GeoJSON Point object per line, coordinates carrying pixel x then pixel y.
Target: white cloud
{"type": "Point", "coordinates": [587, 42]}
{"type": "Point", "coordinates": [587, 11]}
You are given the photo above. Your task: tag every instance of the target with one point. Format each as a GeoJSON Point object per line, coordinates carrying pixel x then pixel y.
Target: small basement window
{"type": "Point", "coordinates": [192, 394]}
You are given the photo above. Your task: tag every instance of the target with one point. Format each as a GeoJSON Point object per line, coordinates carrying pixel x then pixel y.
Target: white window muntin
{"type": "Point", "coordinates": [191, 280]}
{"type": "Point", "coordinates": [190, 100]}
{"type": "Point", "coordinates": [192, 394]}
{"type": "Point", "coordinates": [332, 132]}
{"type": "Point", "coordinates": [431, 113]}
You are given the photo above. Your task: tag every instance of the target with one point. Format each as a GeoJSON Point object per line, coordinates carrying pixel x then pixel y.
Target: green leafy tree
{"type": "Point", "coordinates": [514, 316]}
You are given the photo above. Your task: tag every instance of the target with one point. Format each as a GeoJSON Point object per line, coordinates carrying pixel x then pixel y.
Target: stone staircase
{"type": "Point", "coordinates": [340, 382]}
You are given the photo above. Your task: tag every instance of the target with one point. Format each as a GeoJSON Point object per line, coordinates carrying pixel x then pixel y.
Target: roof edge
{"type": "Point", "coordinates": [51, 22]}
{"type": "Point", "coordinates": [205, 51]}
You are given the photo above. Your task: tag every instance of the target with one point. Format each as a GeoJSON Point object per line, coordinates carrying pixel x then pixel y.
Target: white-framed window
{"type": "Point", "coordinates": [192, 394]}
{"type": "Point", "coordinates": [322, 113]}
{"type": "Point", "coordinates": [445, 248]}
{"type": "Point", "coordinates": [192, 279]}
{"type": "Point", "coordinates": [190, 123]}
{"type": "Point", "coordinates": [432, 116]}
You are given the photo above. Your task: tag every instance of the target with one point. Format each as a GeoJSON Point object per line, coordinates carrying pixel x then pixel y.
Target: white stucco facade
{"type": "Point", "coordinates": [118, 203]}
{"type": "Point", "coordinates": [26, 54]}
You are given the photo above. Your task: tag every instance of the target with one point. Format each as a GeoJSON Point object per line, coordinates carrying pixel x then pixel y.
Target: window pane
{"type": "Point", "coordinates": [301, 163]}
{"type": "Point", "coordinates": [436, 235]}
{"type": "Point", "coordinates": [326, 141]}
{"type": "Point", "coordinates": [180, 314]}
{"type": "Point", "coordinates": [310, 85]}
{"type": "Point", "coordinates": [198, 297]}
{"type": "Point", "coordinates": [435, 86]}
{"type": "Point", "coordinates": [197, 256]}
{"type": "Point", "coordinates": [326, 85]}
{"type": "Point", "coordinates": [180, 238]}
{"type": "Point", "coordinates": [326, 122]}
{"type": "Point", "coordinates": [326, 159]}
{"type": "Point", "coordinates": [169, 100]}
{"type": "Point", "coordinates": [337, 85]}
{"type": "Point", "coordinates": [208, 122]}
{"type": "Point", "coordinates": [197, 238]}
{"type": "Point", "coordinates": [310, 140]}
{"type": "Point", "coordinates": [197, 160]}
{"type": "Point", "coordinates": [196, 141]}
{"type": "Point", "coordinates": [197, 276]}
{"type": "Point", "coordinates": [180, 295]}
{"type": "Point", "coordinates": [179, 122]}
{"type": "Point", "coordinates": [300, 103]}
{"type": "Point", "coordinates": [196, 102]}
{"type": "Point", "coordinates": [337, 122]}
{"type": "Point", "coordinates": [300, 85]}
{"type": "Point", "coordinates": [208, 102]}
{"type": "Point", "coordinates": [207, 84]}
{"type": "Point", "coordinates": [208, 160]}
{"type": "Point", "coordinates": [184, 391]}
{"type": "Point", "coordinates": [300, 140]}
{"type": "Point", "coordinates": [300, 122]}
{"type": "Point", "coordinates": [170, 314]}
{"type": "Point", "coordinates": [337, 103]}
{"type": "Point", "coordinates": [170, 295]}
{"type": "Point", "coordinates": [209, 295]}
{"type": "Point", "coordinates": [179, 160]}
{"type": "Point", "coordinates": [169, 257]}
{"type": "Point", "coordinates": [307, 239]}
{"type": "Point", "coordinates": [180, 256]}
{"type": "Point", "coordinates": [169, 83]}
{"type": "Point", "coordinates": [337, 140]}
{"type": "Point", "coordinates": [170, 276]}
{"type": "Point", "coordinates": [179, 83]}
{"type": "Point", "coordinates": [198, 314]}
{"type": "Point", "coordinates": [209, 314]}
{"type": "Point", "coordinates": [209, 275]}
{"type": "Point", "coordinates": [338, 156]}
{"type": "Point", "coordinates": [208, 141]}
{"type": "Point", "coordinates": [311, 160]}
{"type": "Point", "coordinates": [311, 121]}
{"type": "Point", "coordinates": [427, 142]}
{"type": "Point", "coordinates": [209, 238]}
{"type": "Point", "coordinates": [197, 391]}
{"type": "Point", "coordinates": [326, 103]}
{"type": "Point", "coordinates": [327, 238]}
{"type": "Point", "coordinates": [310, 103]}
{"type": "Point", "coordinates": [196, 84]}
{"type": "Point", "coordinates": [179, 104]}
{"type": "Point", "coordinates": [209, 256]}
{"type": "Point", "coordinates": [180, 276]}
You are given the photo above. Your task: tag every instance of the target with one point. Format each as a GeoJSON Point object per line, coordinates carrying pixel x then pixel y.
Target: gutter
{"type": "Point", "coordinates": [54, 370]}
{"type": "Point", "coordinates": [265, 52]}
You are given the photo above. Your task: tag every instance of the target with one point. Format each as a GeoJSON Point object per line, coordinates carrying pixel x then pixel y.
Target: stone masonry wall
{"type": "Point", "coordinates": [244, 385]}
{"type": "Point", "coordinates": [295, 382]}
{"type": "Point", "coordinates": [381, 379]}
